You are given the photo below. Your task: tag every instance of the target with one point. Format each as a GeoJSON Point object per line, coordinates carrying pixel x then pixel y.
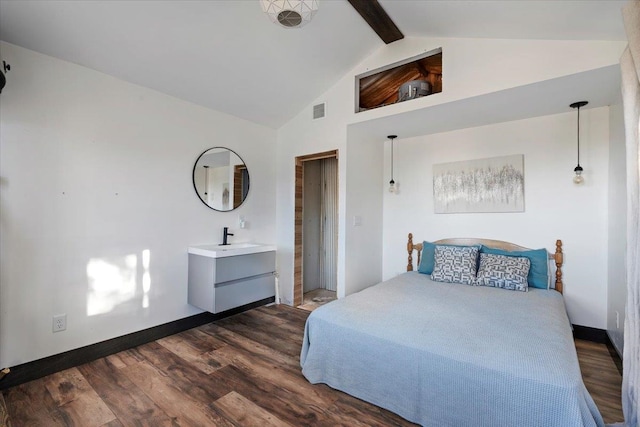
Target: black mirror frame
{"type": "Point", "coordinates": [193, 179]}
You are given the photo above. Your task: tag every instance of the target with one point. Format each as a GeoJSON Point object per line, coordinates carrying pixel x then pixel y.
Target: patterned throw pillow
{"type": "Point", "coordinates": [539, 275]}
{"type": "Point", "coordinates": [501, 271]}
{"type": "Point", "coordinates": [455, 264]}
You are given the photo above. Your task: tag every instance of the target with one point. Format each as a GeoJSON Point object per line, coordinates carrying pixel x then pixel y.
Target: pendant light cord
{"type": "Point", "coordinates": [578, 179]}
{"type": "Point", "coordinates": [392, 158]}
{"type": "Point", "coordinates": [578, 136]}
{"type": "Point", "coordinates": [392, 183]}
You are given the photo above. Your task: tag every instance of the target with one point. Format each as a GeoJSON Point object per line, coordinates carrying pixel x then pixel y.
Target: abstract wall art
{"type": "Point", "coordinates": [495, 184]}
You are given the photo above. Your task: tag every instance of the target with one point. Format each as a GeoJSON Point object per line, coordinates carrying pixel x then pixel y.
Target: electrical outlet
{"type": "Point", "coordinates": [59, 322]}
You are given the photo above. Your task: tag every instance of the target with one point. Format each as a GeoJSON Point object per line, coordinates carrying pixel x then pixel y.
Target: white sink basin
{"type": "Point", "coordinates": [219, 251]}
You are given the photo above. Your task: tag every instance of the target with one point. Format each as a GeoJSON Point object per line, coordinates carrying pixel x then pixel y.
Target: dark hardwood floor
{"type": "Point", "coordinates": [601, 369]}
{"type": "Point", "coordinates": [240, 371]}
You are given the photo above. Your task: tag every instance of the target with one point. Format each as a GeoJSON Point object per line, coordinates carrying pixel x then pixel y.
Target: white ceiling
{"type": "Point", "coordinates": [226, 55]}
{"type": "Point", "coordinates": [509, 19]}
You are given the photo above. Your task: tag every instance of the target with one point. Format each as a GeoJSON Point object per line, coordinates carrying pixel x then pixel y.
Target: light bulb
{"type": "Point", "coordinates": [578, 179]}
{"type": "Point", "coordinates": [392, 186]}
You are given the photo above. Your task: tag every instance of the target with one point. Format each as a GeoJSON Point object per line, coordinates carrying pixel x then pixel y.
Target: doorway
{"type": "Point", "coordinates": [316, 229]}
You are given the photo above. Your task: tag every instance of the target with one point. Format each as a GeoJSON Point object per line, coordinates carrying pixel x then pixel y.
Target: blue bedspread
{"type": "Point", "coordinates": [443, 354]}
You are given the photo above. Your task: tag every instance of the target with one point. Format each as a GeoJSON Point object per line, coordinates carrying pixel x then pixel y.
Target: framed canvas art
{"type": "Point", "coordinates": [495, 184]}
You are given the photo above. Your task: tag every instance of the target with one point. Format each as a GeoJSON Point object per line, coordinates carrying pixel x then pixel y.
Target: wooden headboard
{"type": "Point", "coordinates": [497, 244]}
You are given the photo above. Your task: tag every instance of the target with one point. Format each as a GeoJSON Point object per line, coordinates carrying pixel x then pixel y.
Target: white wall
{"type": "Point", "coordinates": [555, 208]}
{"type": "Point", "coordinates": [307, 136]}
{"type": "Point", "coordinates": [471, 67]}
{"type": "Point", "coordinates": [97, 206]}
{"type": "Point", "coordinates": [364, 203]}
{"type": "Point", "coordinates": [617, 279]}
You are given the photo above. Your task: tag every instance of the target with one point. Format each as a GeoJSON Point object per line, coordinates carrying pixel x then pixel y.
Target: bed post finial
{"type": "Point", "coordinates": [559, 258]}
{"type": "Point", "coordinates": [410, 250]}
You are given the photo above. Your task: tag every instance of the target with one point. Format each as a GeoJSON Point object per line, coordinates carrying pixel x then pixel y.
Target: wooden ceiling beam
{"type": "Point", "coordinates": [379, 21]}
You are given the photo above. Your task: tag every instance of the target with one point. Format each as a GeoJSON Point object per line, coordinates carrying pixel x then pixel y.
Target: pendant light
{"type": "Point", "coordinates": [578, 178]}
{"type": "Point", "coordinates": [392, 183]}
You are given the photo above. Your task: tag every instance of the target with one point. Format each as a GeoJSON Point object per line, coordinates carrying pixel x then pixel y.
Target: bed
{"type": "Point", "coordinates": [448, 354]}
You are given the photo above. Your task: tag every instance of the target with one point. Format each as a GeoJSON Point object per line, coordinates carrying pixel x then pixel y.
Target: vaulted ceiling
{"type": "Point", "coordinates": [226, 55]}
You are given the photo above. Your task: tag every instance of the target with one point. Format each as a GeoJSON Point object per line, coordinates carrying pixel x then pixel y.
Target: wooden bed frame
{"type": "Point", "coordinates": [497, 244]}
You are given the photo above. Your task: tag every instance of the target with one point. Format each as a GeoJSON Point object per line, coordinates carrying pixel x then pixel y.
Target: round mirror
{"type": "Point", "coordinates": [221, 179]}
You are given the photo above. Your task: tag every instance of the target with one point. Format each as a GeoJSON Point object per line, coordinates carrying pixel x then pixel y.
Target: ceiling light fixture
{"type": "Point", "coordinates": [392, 183]}
{"type": "Point", "coordinates": [290, 13]}
{"type": "Point", "coordinates": [578, 179]}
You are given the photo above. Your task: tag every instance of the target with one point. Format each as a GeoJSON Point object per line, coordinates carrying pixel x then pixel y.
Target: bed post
{"type": "Point", "coordinates": [559, 258]}
{"type": "Point", "coordinates": [410, 250]}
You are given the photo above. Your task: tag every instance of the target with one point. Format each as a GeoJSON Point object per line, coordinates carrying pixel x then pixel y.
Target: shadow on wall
{"type": "Point", "coordinates": [114, 281]}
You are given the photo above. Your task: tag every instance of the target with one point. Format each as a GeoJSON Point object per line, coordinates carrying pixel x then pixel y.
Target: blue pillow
{"type": "Point", "coordinates": [427, 259]}
{"type": "Point", "coordinates": [538, 276]}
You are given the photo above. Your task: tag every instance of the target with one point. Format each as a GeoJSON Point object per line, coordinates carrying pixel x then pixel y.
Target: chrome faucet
{"type": "Point", "coordinates": [225, 234]}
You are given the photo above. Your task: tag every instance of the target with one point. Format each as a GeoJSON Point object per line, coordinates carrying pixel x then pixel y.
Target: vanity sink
{"type": "Point", "coordinates": [220, 251]}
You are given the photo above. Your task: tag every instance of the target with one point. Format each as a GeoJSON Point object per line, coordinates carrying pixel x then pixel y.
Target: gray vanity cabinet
{"type": "Point", "coordinates": [220, 284]}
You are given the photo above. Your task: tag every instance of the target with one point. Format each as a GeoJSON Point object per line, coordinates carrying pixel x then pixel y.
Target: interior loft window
{"type": "Point", "coordinates": [402, 81]}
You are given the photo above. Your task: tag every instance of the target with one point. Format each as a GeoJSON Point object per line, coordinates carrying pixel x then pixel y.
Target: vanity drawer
{"type": "Point", "coordinates": [237, 267]}
{"type": "Point", "coordinates": [236, 293]}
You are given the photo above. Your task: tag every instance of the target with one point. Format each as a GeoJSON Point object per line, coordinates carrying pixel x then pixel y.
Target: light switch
{"type": "Point", "coordinates": [357, 221]}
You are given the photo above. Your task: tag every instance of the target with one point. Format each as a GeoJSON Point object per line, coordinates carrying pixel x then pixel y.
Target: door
{"type": "Point", "coordinates": [325, 213]}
